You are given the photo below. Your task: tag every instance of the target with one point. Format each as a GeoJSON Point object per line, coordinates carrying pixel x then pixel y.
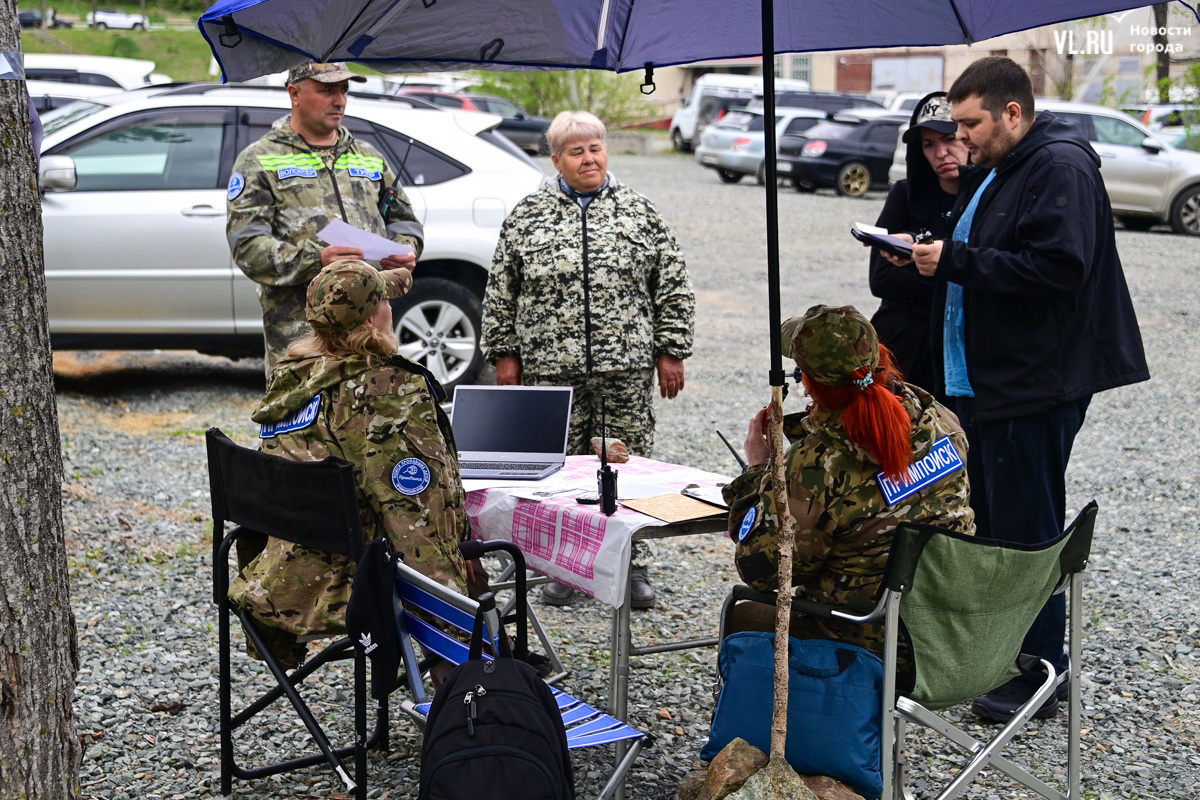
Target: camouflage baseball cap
{"type": "Point", "coordinates": [346, 293]}
{"type": "Point", "coordinates": [830, 343]}
{"type": "Point", "coordinates": [332, 72]}
{"type": "Point", "coordinates": [932, 112]}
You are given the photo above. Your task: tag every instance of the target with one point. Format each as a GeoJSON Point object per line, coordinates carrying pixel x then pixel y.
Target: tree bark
{"type": "Point", "coordinates": [39, 749]}
{"type": "Point", "coordinates": [1162, 70]}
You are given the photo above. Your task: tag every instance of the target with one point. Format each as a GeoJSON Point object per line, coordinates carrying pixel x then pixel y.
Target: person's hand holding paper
{"type": "Point", "coordinates": [347, 241]}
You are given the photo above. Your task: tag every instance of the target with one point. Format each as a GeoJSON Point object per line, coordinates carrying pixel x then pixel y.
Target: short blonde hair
{"type": "Point", "coordinates": [570, 126]}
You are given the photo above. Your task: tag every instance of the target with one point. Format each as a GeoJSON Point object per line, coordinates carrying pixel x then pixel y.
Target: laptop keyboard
{"type": "Point", "coordinates": [523, 466]}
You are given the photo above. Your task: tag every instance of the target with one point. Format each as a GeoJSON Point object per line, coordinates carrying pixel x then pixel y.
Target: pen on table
{"type": "Point", "coordinates": [740, 460]}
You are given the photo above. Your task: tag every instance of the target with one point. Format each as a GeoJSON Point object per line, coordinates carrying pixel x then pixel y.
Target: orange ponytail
{"type": "Point", "coordinates": [873, 417]}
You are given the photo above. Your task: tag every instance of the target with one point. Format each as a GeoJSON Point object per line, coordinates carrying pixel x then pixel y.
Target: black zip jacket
{"type": "Point", "coordinates": [1049, 318]}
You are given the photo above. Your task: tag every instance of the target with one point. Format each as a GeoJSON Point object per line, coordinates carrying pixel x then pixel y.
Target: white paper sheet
{"type": "Point", "coordinates": [375, 248]}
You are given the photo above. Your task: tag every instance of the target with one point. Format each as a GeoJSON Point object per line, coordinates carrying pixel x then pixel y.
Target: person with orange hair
{"type": "Point", "coordinates": [869, 453]}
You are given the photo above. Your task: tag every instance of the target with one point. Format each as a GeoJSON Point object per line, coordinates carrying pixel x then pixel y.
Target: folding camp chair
{"type": "Point", "coordinates": [310, 503]}
{"type": "Point", "coordinates": [965, 604]}
{"type": "Point", "coordinates": [421, 599]}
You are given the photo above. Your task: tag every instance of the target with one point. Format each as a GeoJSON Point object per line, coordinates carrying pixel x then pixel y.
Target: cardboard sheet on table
{"type": "Point", "coordinates": [671, 507]}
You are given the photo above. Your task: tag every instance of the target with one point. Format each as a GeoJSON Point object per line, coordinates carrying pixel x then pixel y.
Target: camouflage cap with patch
{"type": "Point", "coordinates": [346, 293]}
{"type": "Point", "coordinates": [831, 343]}
{"type": "Point", "coordinates": [331, 72]}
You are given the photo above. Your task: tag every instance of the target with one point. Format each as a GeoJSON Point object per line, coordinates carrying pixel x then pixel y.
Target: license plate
{"type": "Point", "coordinates": [783, 166]}
{"type": "Point", "coordinates": [710, 159]}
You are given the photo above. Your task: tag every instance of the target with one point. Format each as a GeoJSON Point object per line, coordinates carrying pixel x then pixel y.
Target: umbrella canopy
{"type": "Point", "coordinates": [256, 37]}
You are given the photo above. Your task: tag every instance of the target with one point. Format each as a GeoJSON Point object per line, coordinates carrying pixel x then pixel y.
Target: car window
{"type": "Point", "coordinates": [801, 124]}
{"type": "Point", "coordinates": [1116, 131]}
{"type": "Point", "coordinates": [1078, 120]}
{"type": "Point", "coordinates": [174, 149]}
{"type": "Point", "coordinates": [95, 79]}
{"type": "Point", "coordinates": [502, 107]}
{"type": "Point", "coordinates": [741, 121]}
{"type": "Point", "coordinates": [444, 101]}
{"type": "Point", "coordinates": [59, 118]}
{"type": "Point", "coordinates": [883, 133]}
{"type": "Point", "coordinates": [832, 130]}
{"type": "Point", "coordinates": [422, 164]}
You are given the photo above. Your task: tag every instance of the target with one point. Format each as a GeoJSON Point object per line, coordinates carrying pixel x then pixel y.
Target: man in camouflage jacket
{"type": "Point", "coordinates": [307, 171]}
{"type": "Point", "coordinates": [588, 289]}
{"type": "Point", "coordinates": [379, 412]}
{"type": "Point", "coordinates": [844, 523]}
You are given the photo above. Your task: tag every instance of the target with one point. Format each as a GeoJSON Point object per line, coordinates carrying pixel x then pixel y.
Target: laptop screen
{"type": "Point", "coordinates": [511, 419]}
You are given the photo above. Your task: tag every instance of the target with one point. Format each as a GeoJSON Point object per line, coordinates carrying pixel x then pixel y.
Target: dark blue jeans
{"type": "Point", "coordinates": [1017, 468]}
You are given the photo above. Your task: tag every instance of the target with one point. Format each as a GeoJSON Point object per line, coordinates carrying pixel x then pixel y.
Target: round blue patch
{"type": "Point", "coordinates": [748, 522]}
{"type": "Point", "coordinates": [237, 182]}
{"type": "Point", "coordinates": [411, 476]}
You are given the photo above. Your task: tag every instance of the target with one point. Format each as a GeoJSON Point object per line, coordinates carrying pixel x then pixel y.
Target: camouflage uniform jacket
{"type": "Point", "coordinates": [574, 290]}
{"type": "Point", "coordinates": [280, 194]}
{"type": "Point", "coordinates": [381, 415]}
{"type": "Point", "coordinates": [844, 525]}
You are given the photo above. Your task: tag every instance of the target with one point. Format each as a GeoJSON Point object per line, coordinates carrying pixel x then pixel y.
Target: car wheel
{"type": "Point", "coordinates": [438, 323]}
{"type": "Point", "coordinates": [543, 146]}
{"type": "Point", "coordinates": [729, 176]}
{"type": "Point", "coordinates": [1185, 211]}
{"type": "Point", "coordinates": [803, 185]}
{"type": "Point", "coordinates": [761, 175]}
{"type": "Point", "coordinates": [1138, 223]}
{"type": "Point", "coordinates": [137, 26]}
{"type": "Point", "coordinates": [677, 142]}
{"type": "Point", "coordinates": [100, 26]}
{"type": "Point", "coordinates": [853, 180]}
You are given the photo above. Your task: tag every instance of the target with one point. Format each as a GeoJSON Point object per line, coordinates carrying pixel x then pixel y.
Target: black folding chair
{"type": "Point", "coordinates": [314, 504]}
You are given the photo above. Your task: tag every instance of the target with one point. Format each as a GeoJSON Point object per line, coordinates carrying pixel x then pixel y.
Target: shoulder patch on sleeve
{"type": "Point", "coordinates": [237, 182]}
{"type": "Point", "coordinates": [301, 419]}
{"type": "Point", "coordinates": [943, 460]}
{"type": "Point", "coordinates": [748, 523]}
{"type": "Point", "coordinates": [411, 476]}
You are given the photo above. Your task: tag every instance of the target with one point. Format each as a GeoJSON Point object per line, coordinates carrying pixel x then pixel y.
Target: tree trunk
{"type": "Point", "coordinates": [45, 22]}
{"type": "Point", "coordinates": [94, 10]}
{"type": "Point", "coordinates": [39, 750]}
{"type": "Point", "coordinates": [1162, 77]}
{"type": "Point", "coordinates": [783, 601]}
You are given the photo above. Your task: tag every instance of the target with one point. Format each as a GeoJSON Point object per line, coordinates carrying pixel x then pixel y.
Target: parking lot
{"type": "Point", "coordinates": [136, 510]}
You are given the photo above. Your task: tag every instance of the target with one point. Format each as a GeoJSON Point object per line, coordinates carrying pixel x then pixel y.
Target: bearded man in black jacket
{"type": "Point", "coordinates": [1032, 316]}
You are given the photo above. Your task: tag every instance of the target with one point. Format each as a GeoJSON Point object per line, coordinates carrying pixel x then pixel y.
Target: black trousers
{"type": "Point", "coordinates": [1017, 468]}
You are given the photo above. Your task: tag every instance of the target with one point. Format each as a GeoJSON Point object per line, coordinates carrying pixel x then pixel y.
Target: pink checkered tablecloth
{"type": "Point", "coordinates": [573, 543]}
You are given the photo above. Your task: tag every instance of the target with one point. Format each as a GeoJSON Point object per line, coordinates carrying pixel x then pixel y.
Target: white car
{"type": "Point", "coordinates": [112, 18]}
{"type": "Point", "coordinates": [116, 73]}
{"type": "Point", "coordinates": [47, 95]}
{"type": "Point", "coordinates": [1149, 180]}
{"type": "Point", "coordinates": [134, 217]}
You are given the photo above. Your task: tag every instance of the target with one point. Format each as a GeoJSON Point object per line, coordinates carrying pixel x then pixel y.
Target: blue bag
{"type": "Point", "coordinates": [834, 706]}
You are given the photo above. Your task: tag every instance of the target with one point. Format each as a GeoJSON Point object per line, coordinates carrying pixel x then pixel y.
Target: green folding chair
{"type": "Point", "coordinates": [965, 604]}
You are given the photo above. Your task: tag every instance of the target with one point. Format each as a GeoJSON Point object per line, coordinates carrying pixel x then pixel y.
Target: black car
{"type": "Point", "coordinates": [33, 19]}
{"type": "Point", "coordinates": [851, 151]}
{"type": "Point", "coordinates": [526, 131]}
{"type": "Point", "coordinates": [830, 102]}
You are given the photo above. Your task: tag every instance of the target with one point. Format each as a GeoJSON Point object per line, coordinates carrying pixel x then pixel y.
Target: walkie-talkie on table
{"type": "Point", "coordinates": [605, 475]}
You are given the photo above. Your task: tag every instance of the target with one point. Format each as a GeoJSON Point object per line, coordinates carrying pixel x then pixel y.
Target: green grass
{"type": "Point", "coordinates": [184, 55]}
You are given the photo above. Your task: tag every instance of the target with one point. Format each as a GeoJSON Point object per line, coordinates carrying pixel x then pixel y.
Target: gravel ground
{"type": "Point", "coordinates": [136, 511]}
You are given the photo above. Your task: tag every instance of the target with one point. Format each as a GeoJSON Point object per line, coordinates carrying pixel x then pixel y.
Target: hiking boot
{"type": "Point", "coordinates": [641, 593]}
{"type": "Point", "coordinates": [557, 594]}
{"type": "Point", "coordinates": [999, 705]}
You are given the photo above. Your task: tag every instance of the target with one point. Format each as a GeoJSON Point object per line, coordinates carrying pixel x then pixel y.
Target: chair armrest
{"type": "Point", "coordinates": [221, 563]}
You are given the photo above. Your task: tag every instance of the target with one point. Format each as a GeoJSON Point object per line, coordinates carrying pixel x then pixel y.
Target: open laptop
{"type": "Point", "coordinates": [511, 432]}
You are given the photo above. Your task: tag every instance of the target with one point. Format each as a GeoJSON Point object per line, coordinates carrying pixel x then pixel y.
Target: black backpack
{"type": "Point", "coordinates": [494, 730]}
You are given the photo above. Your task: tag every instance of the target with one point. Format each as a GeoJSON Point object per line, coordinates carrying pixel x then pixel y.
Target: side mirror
{"type": "Point", "coordinates": [56, 174]}
{"type": "Point", "coordinates": [1151, 145]}
{"type": "Point", "coordinates": [520, 115]}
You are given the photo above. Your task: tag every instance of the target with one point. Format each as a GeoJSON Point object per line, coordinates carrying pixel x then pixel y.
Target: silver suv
{"type": "Point", "coordinates": [134, 218]}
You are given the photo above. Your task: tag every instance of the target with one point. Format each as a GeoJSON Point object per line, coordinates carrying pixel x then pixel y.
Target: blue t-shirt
{"type": "Point", "coordinates": [954, 343]}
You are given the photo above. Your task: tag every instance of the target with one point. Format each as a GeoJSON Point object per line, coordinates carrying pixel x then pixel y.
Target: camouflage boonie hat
{"type": "Point", "coordinates": [831, 343]}
{"type": "Point", "coordinates": [346, 293]}
{"type": "Point", "coordinates": [332, 72]}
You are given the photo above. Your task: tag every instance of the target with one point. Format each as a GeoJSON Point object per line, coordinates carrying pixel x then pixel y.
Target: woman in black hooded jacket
{"type": "Point", "coordinates": [923, 201]}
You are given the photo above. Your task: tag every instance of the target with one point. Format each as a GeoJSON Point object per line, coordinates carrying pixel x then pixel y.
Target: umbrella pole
{"type": "Point", "coordinates": [783, 606]}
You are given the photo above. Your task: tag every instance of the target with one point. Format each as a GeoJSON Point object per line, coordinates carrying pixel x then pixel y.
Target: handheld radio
{"type": "Point", "coordinates": [605, 476]}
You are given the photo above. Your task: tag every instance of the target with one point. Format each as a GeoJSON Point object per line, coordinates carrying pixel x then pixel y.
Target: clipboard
{"type": "Point", "coordinates": [878, 237]}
